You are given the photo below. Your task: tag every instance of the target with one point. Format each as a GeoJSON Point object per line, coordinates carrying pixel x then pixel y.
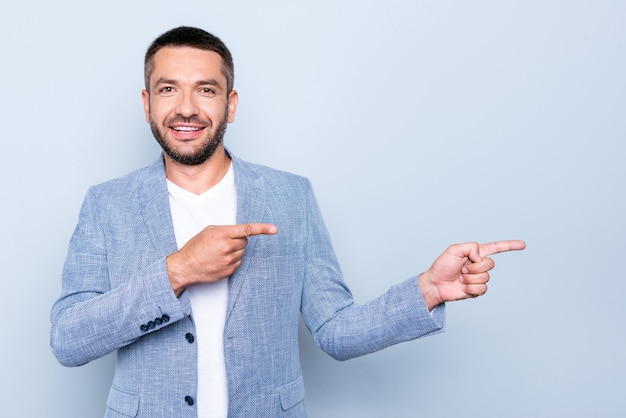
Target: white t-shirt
{"type": "Point", "coordinates": [191, 213]}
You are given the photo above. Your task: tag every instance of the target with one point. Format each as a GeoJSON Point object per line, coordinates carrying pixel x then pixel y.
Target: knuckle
{"type": "Point", "coordinates": [224, 249]}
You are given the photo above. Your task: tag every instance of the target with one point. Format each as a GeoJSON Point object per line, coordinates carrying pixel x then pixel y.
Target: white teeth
{"type": "Point", "coordinates": [186, 128]}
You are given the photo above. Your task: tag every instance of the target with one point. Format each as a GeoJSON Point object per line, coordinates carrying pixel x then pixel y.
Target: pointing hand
{"type": "Point", "coordinates": [214, 254]}
{"type": "Point", "coordinates": [462, 271]}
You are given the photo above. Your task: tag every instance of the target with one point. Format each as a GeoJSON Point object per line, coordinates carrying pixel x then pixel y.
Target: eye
{"type": "Point", "coordinates": [207, 91]}
{"type": "Point", "coordinates": [166, 90]}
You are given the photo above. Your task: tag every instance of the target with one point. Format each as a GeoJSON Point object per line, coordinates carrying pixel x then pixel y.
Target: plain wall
{"type": "Point", "coordinates": [420, 124]}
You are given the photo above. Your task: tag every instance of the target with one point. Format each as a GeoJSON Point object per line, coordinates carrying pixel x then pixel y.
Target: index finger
{"type": "Point", "coordinates": [501, 247]}
{"type": "Point", "coordinates": [247, 230]}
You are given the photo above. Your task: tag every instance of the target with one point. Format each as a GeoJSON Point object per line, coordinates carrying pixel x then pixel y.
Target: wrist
{"type": "Point", "coordinates": [430, 293]}
{"type": "Point", "coordinates": [174, 274]}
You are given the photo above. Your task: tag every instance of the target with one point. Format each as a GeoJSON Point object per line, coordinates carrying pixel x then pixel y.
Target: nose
{"type": "Point", "coordinates": [187, 105]}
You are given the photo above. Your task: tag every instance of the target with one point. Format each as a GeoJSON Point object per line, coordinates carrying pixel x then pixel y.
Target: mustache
{"type": "Point", "coordinates": [191, 120]}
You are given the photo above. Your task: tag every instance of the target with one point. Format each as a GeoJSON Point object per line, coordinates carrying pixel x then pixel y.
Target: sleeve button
{"type": "Point", "coordinates": [189, 400]}
{"type": "Point", "coordinates": [189, 337]}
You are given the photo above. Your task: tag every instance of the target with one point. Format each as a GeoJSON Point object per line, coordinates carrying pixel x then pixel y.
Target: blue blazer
{"type": "Point", "coordinates": [116, 295]}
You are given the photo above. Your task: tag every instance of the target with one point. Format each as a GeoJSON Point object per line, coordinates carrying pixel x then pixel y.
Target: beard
{"type": "Point", "coordinates": [201, 154]}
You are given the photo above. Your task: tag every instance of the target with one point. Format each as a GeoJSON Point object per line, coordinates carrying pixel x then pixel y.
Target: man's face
{"type": "Point", "coordinates": [187, 105]}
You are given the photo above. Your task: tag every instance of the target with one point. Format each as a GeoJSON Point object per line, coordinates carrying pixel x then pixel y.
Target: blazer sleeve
{"type": "Point", "coordinates": [344, 329]}
{"type": "Point", "coordinates": [94, 317]}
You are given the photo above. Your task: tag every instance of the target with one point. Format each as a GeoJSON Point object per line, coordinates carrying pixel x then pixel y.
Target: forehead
{"type": "Point", "coordinates": [187, 64]}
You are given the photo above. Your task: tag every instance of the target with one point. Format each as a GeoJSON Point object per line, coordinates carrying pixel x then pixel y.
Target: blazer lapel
{"type": "Point", "coordinates": [158, 217]}
{"type": "Point", "coordinates": [156, 212]}
{"type": "Point", "coordinates": [250, 209]}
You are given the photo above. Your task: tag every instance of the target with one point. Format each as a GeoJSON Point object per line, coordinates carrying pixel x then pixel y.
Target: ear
{"type": "Point", "coordinates": [145, 98]}
{"type": "Point", "coordinates": [233, 101]}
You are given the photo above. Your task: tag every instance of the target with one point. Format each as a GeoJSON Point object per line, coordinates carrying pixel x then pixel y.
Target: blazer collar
{"type": "Point", "coordinates": [157, 213]}
{"type": "Point", "coordinates": [250, 209]}
{"type": "Point", "coordinates": [158, 217]}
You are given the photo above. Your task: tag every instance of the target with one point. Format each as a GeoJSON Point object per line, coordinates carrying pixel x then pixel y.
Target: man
{"type": "Point", "coordinates": [196, 268]}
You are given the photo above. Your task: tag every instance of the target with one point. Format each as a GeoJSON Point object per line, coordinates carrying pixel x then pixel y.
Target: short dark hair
{"type": "Point", "coordinates": [194, 38]}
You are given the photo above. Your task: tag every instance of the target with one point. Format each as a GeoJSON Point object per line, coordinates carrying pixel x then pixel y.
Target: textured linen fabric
{"type": "Point", "coordinates": [116, 295]}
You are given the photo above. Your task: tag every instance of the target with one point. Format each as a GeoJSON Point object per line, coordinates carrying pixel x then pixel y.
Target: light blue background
{"type": "Point", "coordinates": [420, 124]}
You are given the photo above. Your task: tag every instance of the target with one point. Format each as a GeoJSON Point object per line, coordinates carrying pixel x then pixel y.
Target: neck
{"type": "Point", "coordinates": [198, 178]}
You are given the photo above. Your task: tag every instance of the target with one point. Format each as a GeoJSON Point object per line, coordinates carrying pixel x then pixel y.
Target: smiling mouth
{"type": "Point", "coordinates": [186, 128]}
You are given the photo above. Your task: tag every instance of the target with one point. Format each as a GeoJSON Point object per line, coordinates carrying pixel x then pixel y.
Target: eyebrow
{"type": "Point", "coordinates": [209, 82]}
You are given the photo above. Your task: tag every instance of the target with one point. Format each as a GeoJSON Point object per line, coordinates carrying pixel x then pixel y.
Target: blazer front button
{"type": "Point", "coordinates": [189, 400]}
{"type": "Point", "coordinates": [189, 337]}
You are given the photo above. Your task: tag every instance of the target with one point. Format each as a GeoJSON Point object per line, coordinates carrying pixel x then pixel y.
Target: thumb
{"type": "Point", "coordinates": [474, 254]}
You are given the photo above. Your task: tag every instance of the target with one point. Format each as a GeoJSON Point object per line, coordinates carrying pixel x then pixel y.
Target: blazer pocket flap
{"type": "Point", "coordinates": [291, 394]}
{"type": "Point", "coordinates": [123, 402]}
